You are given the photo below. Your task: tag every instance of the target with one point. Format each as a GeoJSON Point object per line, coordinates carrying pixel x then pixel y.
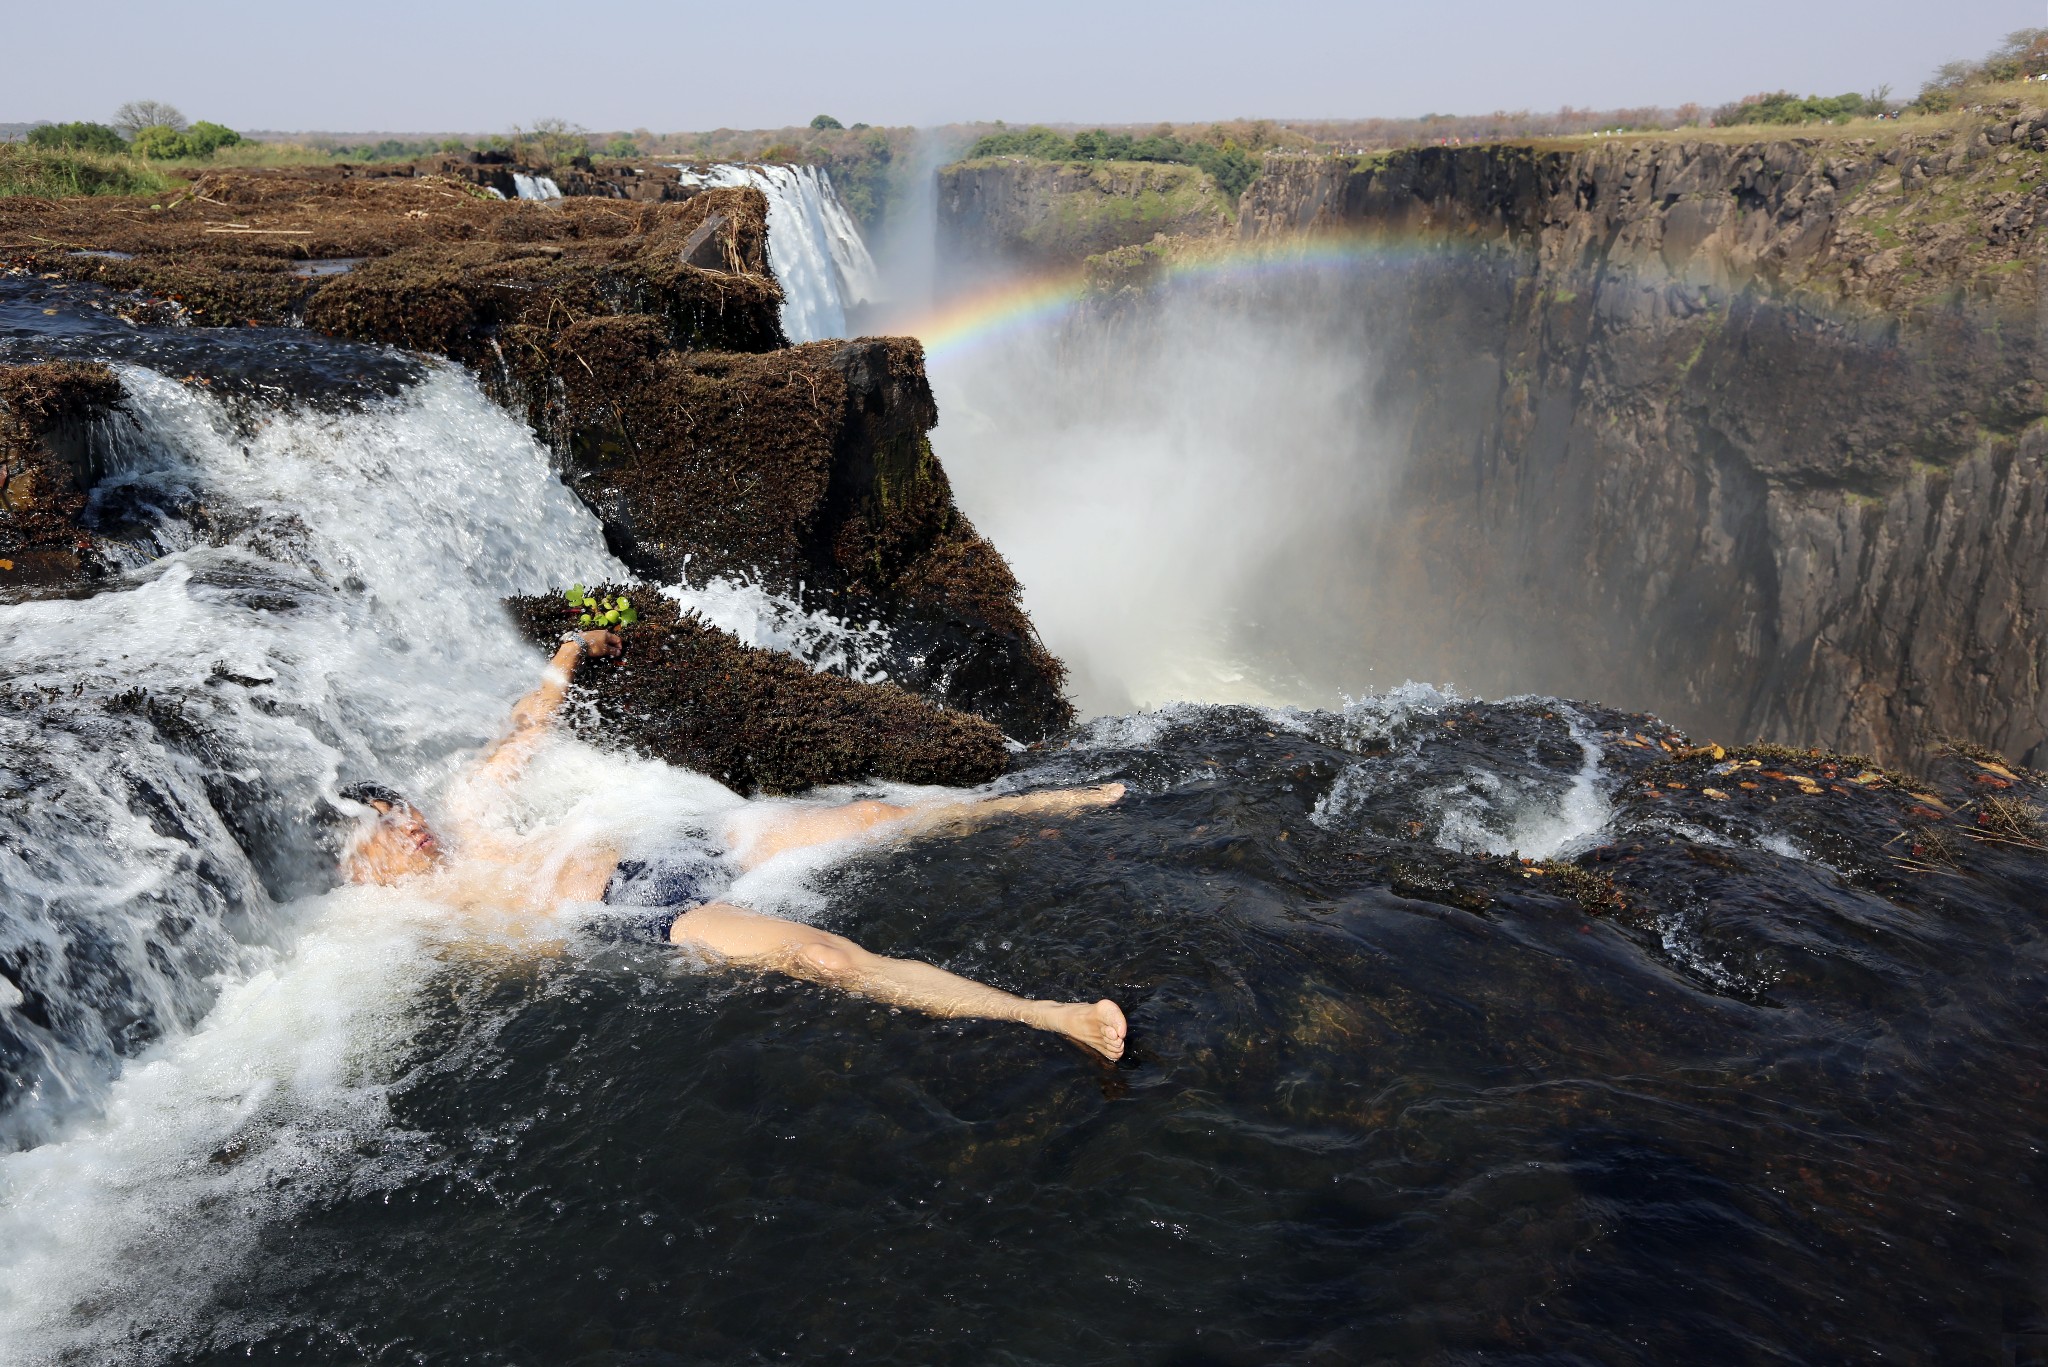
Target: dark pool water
{"type": "Point", "coordinates": [1386, 1102]}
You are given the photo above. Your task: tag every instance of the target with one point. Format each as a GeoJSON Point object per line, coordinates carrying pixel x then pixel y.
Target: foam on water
{"type": "Point", "coordinates": [315, 600]}
{"type": "Point", "coordinates": [124, 1226]}
{"type": "Point", "coordinates": [324, 607]}
{"type": "Point", "coordinates": [762, 618]}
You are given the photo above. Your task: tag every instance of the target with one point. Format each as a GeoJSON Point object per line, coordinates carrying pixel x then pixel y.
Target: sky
{"type": "Point", "coordinates": [426, 65]}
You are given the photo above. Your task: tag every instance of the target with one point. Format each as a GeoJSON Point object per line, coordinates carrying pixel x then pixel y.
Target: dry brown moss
{"type": "Point", "coordinates": [442, 268]}
{"type": "Point", "coordinates": [44, 410]}
{"type": "Point", "coordinates": [642, 339]}
{"type": "Point", "coordinates": [754, 719]}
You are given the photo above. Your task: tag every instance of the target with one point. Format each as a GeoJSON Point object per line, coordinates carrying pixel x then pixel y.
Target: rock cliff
{"type": "Point", "coordinates": [1007, 213]}
{"type": "Point", "coordinates": [641, 340]}
{"type": "Point", "coordinates": [1750, 435]}
{"type": "Point", "coordinates": [1747, 434]}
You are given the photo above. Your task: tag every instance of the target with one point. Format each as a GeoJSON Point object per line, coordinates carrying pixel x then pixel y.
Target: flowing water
{"type": "Point", "coordinates": [1393, 1095]}
{"type": "Point", "coordinates": [814, 247]}
{"type": "Point", "coordinates": [535, 187]}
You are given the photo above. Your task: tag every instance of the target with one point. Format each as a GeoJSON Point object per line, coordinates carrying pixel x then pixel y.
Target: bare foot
{"type": "Point", "coordinates": [1099, 1026]}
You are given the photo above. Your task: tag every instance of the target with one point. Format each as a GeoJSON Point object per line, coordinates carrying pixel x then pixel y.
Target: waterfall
{"type": "Point", "coordinates": [814, 247]}
{"type": "Point", "coordinates": [317, 601]}
{"type": "Point", "coordinates": [536, 187]}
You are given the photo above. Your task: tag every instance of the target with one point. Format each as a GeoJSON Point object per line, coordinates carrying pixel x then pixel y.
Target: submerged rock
{"type": "Point", "coordinates": [758, 720]}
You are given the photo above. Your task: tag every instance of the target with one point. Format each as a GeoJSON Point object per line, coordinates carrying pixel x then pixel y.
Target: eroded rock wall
{"type": "Point", "coordinates": [1742, 434]}
{"type": "Point", "coordinates": [999, 214]}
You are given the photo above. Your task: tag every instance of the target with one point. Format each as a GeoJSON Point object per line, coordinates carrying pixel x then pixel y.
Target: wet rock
{"type": "Point", "coordinates": [46, 467]}
{"type": "Point", "coordinates": [758, 720]}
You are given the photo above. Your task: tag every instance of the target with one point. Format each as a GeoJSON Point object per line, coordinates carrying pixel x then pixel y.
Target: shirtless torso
{"type": "Point", "coordinates": [485, 870]}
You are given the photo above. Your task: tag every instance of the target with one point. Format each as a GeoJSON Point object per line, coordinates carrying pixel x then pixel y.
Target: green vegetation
{"type": "Point", "coordinates": [161, 142]}
{"type": "Point", "coordinates": [1225, 159]}
{"type": "Point", "coordinates": [78, 137]}
{"type": "Point", "coordinates": [596, 610]}
{"type": "Point", "coordinates": [825, 122]}
{"type": "Point", "coordinates": [53, 173]}
{"type": "Point", "coordinates": [2023, 56]}
{"type": "Point", "coordinates": [1783, 107]}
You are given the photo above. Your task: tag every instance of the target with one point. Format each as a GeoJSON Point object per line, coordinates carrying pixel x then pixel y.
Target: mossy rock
{"type": "Point", "coordinates": [757, 720]}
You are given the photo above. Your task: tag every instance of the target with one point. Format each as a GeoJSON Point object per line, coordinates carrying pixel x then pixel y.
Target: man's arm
{"type": "Point", "coordinates": [534, 714]}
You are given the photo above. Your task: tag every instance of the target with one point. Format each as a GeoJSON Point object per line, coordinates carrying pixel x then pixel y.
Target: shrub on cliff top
{"type": "Point", "coordinates": [160, 142]}
{"type": "Point", "coordinates": [77, 137]}
{"type": "Point", "coordinates": [205, 138]}
{"type": "Point", "coordinates": [1225, 159]}
{"type": "Point", "coordinates": [1783, 107]}
{"type": "Point", "coordinates": [58, 174]}
{"type": "Point", "coordinates": [2023, 56]}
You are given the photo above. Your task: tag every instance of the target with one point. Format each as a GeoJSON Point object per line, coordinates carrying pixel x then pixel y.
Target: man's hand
{"type": "Point", "coordinates": [602, 643]}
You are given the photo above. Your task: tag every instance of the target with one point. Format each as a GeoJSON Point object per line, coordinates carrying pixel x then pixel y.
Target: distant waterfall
{"type": "Point", "coordinates": [814, 247]}
{"type": "Point", "coordinates": [536, 187]}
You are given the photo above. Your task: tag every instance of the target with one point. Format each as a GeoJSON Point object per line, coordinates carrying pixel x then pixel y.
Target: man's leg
{"type": "Point", "coordinates": [794, 828]}
{"type": "Point", "coordinates": [743, 937]}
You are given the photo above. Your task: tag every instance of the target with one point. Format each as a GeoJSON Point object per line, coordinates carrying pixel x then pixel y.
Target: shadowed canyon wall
{"type": "Point", "coordinates": [1748, 435]}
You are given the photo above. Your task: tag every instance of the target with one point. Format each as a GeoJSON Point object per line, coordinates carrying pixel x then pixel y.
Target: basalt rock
{"type": "Point", "coordinates": [809, 468]}
{"type": "Point", "coordinates": [758, 720]}
{"type": "Point", "coordinates": [46, 467]}
{"type": "Point", "coordinates": [1009, 213]}
{"type": "Point", "coordinates": [1748, 435]}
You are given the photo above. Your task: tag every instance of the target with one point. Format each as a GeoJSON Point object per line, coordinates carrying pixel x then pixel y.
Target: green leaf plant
{"type": "Point", "coordinates": [595, 611]}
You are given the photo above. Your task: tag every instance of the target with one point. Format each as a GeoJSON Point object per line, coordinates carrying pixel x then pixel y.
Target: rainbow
{"type": "Point", "coordinates": [978, 318]}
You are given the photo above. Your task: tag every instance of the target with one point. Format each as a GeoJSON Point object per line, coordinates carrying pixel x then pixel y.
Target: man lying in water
{"type": "Point", "coordinates": [482, 870]}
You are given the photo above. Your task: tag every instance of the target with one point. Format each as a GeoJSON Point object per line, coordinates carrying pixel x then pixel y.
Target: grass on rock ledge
{"type": "Point", "coordinates": [56, 173]}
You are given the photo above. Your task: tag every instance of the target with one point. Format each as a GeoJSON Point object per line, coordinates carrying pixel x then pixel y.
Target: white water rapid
{"type": "Point", "coordinates": [536, 187]}
{"type": "Point", "coordinates": [814, 247]}
{"type": "Point", "coordinates": [176, 986]}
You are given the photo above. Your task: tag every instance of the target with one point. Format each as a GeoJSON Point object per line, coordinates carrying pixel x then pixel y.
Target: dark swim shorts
{"type": "Point", "coordinates": [666, 887]}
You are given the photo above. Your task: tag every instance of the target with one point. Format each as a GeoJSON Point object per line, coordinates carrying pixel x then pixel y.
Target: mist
{"type": "Point", "coordinates": [1189, 487]}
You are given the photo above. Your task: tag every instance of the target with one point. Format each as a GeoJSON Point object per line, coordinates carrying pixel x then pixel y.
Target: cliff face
{"type": "Point", "coordinates": [1751, 434]}
{"type": "Point", "coordinates": [1006, 213]}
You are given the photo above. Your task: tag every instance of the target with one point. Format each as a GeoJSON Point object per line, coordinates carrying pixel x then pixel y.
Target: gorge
{"type": "Point", "coordinates": [1743, 434]}
{"type": "Point", "coordinates": [1571, 1026]}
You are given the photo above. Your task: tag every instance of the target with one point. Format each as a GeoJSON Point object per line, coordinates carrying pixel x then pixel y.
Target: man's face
{"type": "Point", "coordinates": [400, 845]}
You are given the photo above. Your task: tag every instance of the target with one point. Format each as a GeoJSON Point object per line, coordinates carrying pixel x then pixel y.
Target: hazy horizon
{"type": "Point", "coordinates": [621, 64]}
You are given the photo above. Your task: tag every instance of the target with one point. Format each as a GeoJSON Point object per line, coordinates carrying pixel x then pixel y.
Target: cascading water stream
{"type": "Point", "coordinates": [814, 246]}
{"type": "Point", "coordinates": [536, 187]}
{"type": "Point", "coordinates": [314, 600]}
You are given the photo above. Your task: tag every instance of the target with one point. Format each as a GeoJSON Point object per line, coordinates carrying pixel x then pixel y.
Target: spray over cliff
{"type": "Point", "coordinates": [1747, 434]}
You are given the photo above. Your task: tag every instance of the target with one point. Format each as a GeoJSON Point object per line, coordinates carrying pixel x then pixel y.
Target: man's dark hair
{"type": "Point", "coordinates": [369, 793]}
